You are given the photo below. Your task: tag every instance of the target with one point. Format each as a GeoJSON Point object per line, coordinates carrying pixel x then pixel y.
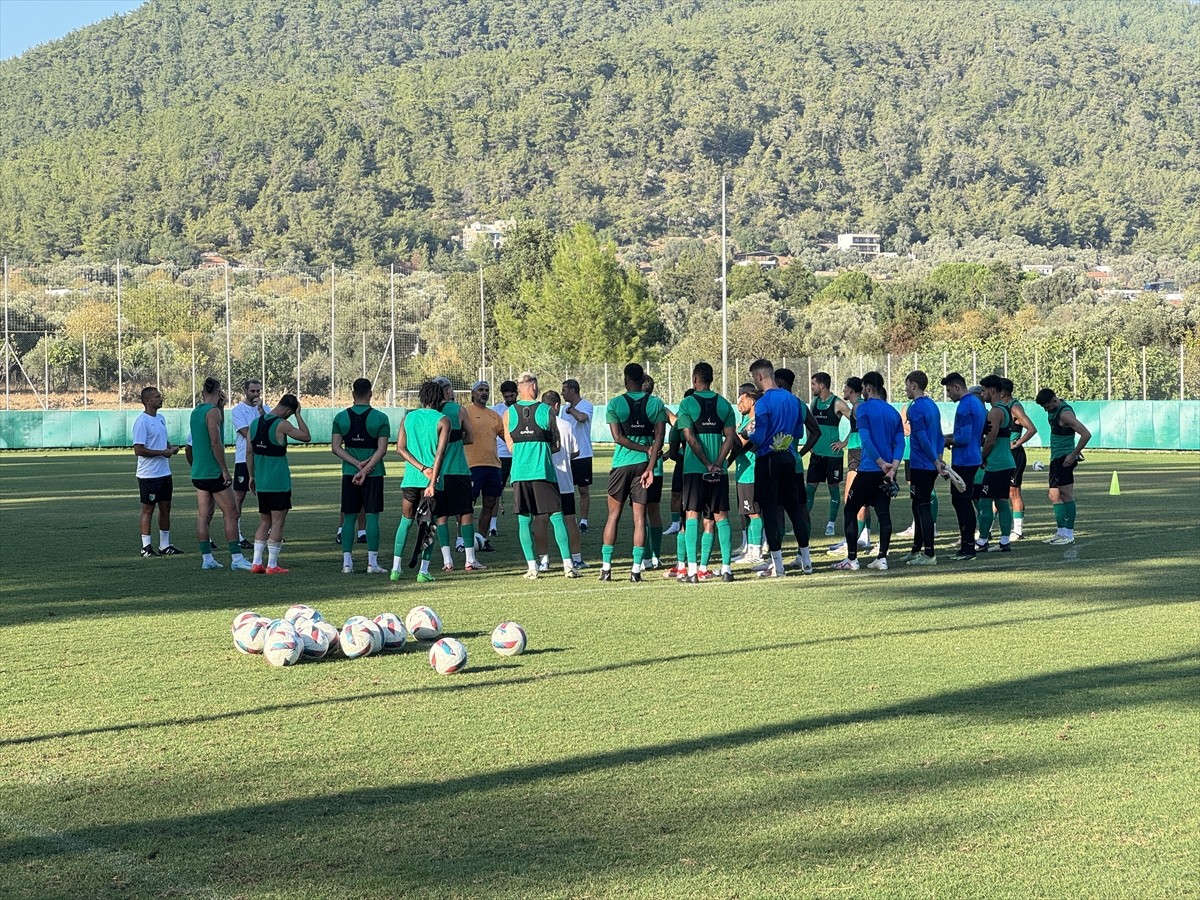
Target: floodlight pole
{"type": "Point", "coordinates": [724, 300]}
{"type": "Point", "coordinates": [332, 353]}
{"type": "Point", "coordinates": [392, 300]}
{"type": "Point", "coordinates": [482, 330]}
{"type": "Point", "coordinates": [228, 338]}
{"type": "Point", "coordinates": [85, 379]}
{"type": "Point", "coordinates": [120, 368]}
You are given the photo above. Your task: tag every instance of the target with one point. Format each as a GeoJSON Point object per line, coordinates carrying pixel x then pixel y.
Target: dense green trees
{"type": "Point", "coordinates": [364, 132]}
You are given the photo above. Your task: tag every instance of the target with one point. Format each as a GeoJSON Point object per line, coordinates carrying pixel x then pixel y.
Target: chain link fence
{"type": "Point", "coordinates": [92, 336]}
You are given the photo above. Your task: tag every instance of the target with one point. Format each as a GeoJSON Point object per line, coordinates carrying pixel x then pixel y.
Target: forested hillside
{"type": "Point", "coordinates": [366, 131]}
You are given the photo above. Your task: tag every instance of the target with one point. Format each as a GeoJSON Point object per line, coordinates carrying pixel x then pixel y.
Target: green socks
{"type": "Point", "coordinates": [559, 524]}
{"type": "Point", "coordinates": [812, 495]}
{"type": "Point", "coordinates": [655, 540]}
{"type": "Point", "coordinates": [985, 517]}
{"type": "Point", "coordinates": [401, 535]}
{"type": "Point", "coordinates": [725, 533]}
{"type": "Point", "coordinates": [1069, 515]}
{"type": "Point", "coordinates": [606, 552]}
{"type": "Point", "coordinates": [639, 553]}
{"type": "Point", "coordinates": [443, 535]}
{"type": "Point", "coordinates": [706, 542]}
{"type": "Point", "coordinates": [754, 534]}
{"type": "Point", "coordinates": [348, 532]}
{"type": "Point", "coordinates": [1060, 515]}
{"type": "Point", "coordinates": [525, 529]}
{"type": "Point", "coordinates": [835, 502]}
{"type": "Point", "coordinates": [691, 535]}
{"type": "Point", "coordinates": [1005, 514]}
{"type": "Point", "coordinates": [372, 533]}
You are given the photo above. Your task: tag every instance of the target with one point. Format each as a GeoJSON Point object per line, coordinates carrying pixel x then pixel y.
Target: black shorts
{"type": "Point", "coordinates": [486, 480]}
{"type": "Point", "coordinates": [536, 498]}
{"type": "Point", "coordinates": [567, 502]}
{"type": "Point", "coordinates": [677, 479]}
{"type": "Point", "coordinates": [241, 477]}
{"type": "Point", "coordinates": [1019, 472]}
{"type": "Point", "coordinates": [747, 505]}
{"type": "Point", "coordinates": [655, 491]}
{"type": "Point", "coordinates": [825, 469]}
{"type": "Point", "coordinates": [624, 483]}
{"type": "Point", "coordinates": [505, 470]}
{"type": "Point", "coordinates": [853, 458]}
{"type": "Point", "coordinates": [581, 471]}
{"type": "Point", "coordinates": [367, 497]}
{"type": "Point", "coordinates": [705, 497]}
{"type": "Point", "coordinates": [155, 490]}
{"type": "Point", "coordinates": [994, 486]}
{"type": "Point", "coordinates": [1061, 475]}
{"type": "Point", "coordinates": [454, 499]}
{"type": "Point", "coordinates": [274, 501]}
{"type": "Point", "coordinates": [415, 495]}
{"type": "Point", "coordinates": [210, 485]}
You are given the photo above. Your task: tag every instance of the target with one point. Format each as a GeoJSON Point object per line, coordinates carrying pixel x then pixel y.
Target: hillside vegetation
{"type": "Point", "coordinates": [365, 132]}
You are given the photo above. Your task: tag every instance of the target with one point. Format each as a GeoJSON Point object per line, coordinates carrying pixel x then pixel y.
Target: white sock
{"type": "Point", "coordinates": [635, 568]}
{"type": "Point", "coordinates": [577, 557]}
{"type": "Point", "coordinates": [830, 524]}
{"type": "Point", "coordinates": [234, 557]}
{"type": "Point", "coordinates": [458, 544]}
{"type": "Point", "coordinates": [470, 551]}
{"type": "Point", "coordinates": [533, 566]}
{"type": "Point", "coordinates": [145, 540]}
{"type": "Point", "coordinates": [396, 563]}
{"type": "Point", "coordinates": [493, 525]}
{"type": "Point", "coordinates": [691, 568]}
{"type": "Point", "coordinates": [164, 539]}
{"type": "Point", "coordinates": [347, 560]}
{"type": "Point", "coordinates": [777, 560]}
{"type": "Point", "coordinates": [373, 558]}
{"type": "Point", "coordinates": [583, 522]}
{"type": "Point", "coordinates": [865, 537]}
{"type": "Point", "coordinates": [725, 569]}
{"type": "Point", "coordinates": [260, 547]}
{"type": "Point", "coordinates": [479, 539]}
{"type": "Point", "coordinates": [362, 532]}
{"type": "Point", "coordinates": [273, 548]}
{"type": "Point", "coordinates": [424, 567]}
{"type": "Point", "coordinates": [605, 567]}
{"type": "Point", "coordinates": [544, 560]}
{"type": "Point", "coordinates": [805, 558]}
{"type": "Point", "coordinates": [1069, 532]}
{"type": "Point", "coordinates": [447, 558]}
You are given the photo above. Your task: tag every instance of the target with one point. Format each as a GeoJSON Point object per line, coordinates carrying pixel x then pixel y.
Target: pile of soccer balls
{"type": "Point", "coordinates": [304, 633]}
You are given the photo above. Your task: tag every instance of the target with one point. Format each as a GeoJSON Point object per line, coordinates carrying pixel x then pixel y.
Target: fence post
{"type": "Point", "coordinates": [46, 360]}
{"type": "Point", "coordinates": [810, 372]}
{"type": "Point", "coordinates": [157, 359]}
{"type": "Point", "coordinates": [6, 341]}
{"type": "Point", "coordinates": [1074, 372]}
{"type": "Point", "coordinates": [228, 335]}
{"type": "Point", "coordinates": [1181, 370]}
{"type": "Point", "coordinates": [332, 350]}
{"type": "Point", "coordinates": [1108, 371]}
{"type": "Point", "coordinates": [945, 372]}
{"type": "Point", "coordinates": [120, 345]}
{"type": "Point", "coordinates": [1037, 375]}
{"type": "Point", "coordinates": [836, 385]}
{"type": "Point", "coordinates": [85, 397]}
{"type": "Point", "coordinates": [262, 358]}
{"type": "Point", "coordinates": [606, 395]}
{"type": "Point", "coordinates": [975, 367]}
{"type": "Point", "coordinates": [298, 362]}
{"type": "Point", "coordinates": [1143, 373]}
{"type": "Point", "coordinates": [889, 374]}
{"type": "Point", "coordinates": [392, 326]}
{"type": "Point", "coordinates": [1005, 362]}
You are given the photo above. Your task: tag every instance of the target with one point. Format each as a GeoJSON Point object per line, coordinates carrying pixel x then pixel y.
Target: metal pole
{"type": "Point", "coordinates": [606, 394]}
{"type": "Point", "coordinates": [1181, 370]}
{"type": "Point", "coordinates": [889, 374]}
{"type": "Point", "coordinates": [1143, 373]}
{"type": "Point", "coordinates": [1074, 372]}
{"type": "Point", "coordinates": [364, 354]}
{"type": "Point", "coordinates": [1037, 375]}
{"type": "Point", "coordinates": [482, 330]}
{"type": "Point", "coordinates": [724, 300]}
{"type": "Point", "coordinates": [1005, 362]}
{"type": "Point", "coordinates": [46, 360]}
{"type": "Point", "coordinates": [120, 368]}
{"type": "Point", "coordinates": [158, 359]}
{"type": "Point", "coordinates": [392, 301]}
{"type": "Point", "coordinates": [228, 336]}
{"type": "Point", "coordinates": [297, 362]}
{"type": "Point", "coordinates": [6, 341]}
{"type": "Point", "coordinates": [1108, 370]}
{"type": "Point", "coordinates": [835, 384]}
{"type": "Point", "coordinates": [332, 354]}
{"type": "Point", "coordinates": [945, 372]}
{"type": "Point", "coordinates": [193, 369]}
{"type": "Point", "coordinates": [974, 367]}
{"type": "Point", "coordinates": [262, 358]}
{"type": "Point", "coordinates": [85, 397]}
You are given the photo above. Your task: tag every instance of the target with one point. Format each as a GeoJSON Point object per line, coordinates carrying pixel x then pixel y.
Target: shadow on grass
{"type": "Point", "coordinates": [461, 681]}
{"type": "Point", "coordinates": [583, 839]}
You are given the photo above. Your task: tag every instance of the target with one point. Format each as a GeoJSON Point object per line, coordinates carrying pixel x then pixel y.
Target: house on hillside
{"type": "Point", "coordinates": [866, 244]}
{"type": "Point", "coordinates": [1040, 271]}
{"type": "Point", "coordinates": [217, 261]}
{"type": "Point", "coordinates": [764, 259]}
{"type": "Point", "coordinates": [486, 231]}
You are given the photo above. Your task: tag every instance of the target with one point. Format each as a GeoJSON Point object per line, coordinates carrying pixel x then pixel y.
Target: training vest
{"type": "Point", "coordinates": [357, 437]}
{"type": "Point", "coordinates": [261, 439]}
{"type": "Point", "coordinates": [528, 430]}
{"type": "Point", "coordinates": [1062, 438]}
{"type": "Point", "coordinates": [828, 419]}
{"type": "Point", "coordinates": [707, 421]}
{"type": "Point", "coordinates": [638, 425]}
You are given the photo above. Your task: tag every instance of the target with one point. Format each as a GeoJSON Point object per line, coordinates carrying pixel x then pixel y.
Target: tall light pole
{"type": "Point", "coordinates": [482, 330]}
{"type": "Point", "coordinates": [724, 301]}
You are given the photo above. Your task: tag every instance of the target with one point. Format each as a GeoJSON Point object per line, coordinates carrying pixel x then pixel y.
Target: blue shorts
{"type": "Point", "coordinates": [486, 480]}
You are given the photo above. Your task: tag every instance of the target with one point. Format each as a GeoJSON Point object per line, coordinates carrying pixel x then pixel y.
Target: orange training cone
{"type": "Point", "coordinates": [1114, 489]}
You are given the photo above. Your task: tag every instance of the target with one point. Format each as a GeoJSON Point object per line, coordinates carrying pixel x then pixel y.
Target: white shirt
{"type": "Point", "coordinates": [501, 409]}
{"type": "Point", "coordinates": [562, 459]}
{"type": "Point", "coordinates": [583, 430]}
{"type": "Point", "coordinates": [243, 417]}
{"type": "Point", "coordinates": [151, 433]}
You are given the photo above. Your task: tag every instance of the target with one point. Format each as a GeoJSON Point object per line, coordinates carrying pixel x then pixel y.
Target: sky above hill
{"type": "Point", "coordinates": [27, 23]}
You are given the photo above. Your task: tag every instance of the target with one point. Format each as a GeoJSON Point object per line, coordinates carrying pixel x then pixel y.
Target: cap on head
{"type": "Point", "coordinates": [480, 384]}
{"type": "Point", "coordinates": [442, 381]}
{"type": "Point", "coordinates": [975, 389]}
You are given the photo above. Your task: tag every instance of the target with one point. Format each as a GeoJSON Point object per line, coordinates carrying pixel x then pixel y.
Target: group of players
{"type": "Point", "coordinates": [455, 454]}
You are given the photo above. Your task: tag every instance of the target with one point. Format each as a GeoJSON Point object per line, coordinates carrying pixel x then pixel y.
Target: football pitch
{"type": "Point", "coordinates": [1025, 725]}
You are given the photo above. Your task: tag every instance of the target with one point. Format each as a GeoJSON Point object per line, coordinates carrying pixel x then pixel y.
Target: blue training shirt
{"type": "Point", "coordinates": [925, 427]}
{"type": "Point", "coordinates": [969, 419]}
{"type": "Point", "coordinates": [882, 433]}
{"type": "Point", "coordinates": [776, 413]}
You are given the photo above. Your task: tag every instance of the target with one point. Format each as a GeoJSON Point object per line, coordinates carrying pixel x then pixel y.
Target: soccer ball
{"type": "Point", "coordinates": [376, 632]}
{"type": "Point", "coordinates": [300, 611]}
{"type": "Point", "coordinates": [447, 656]}
{"type": "Point", "coordinates": [423, 623]}
{"type": "Point", "coordinates": [332, 636]}
{"type": "Point", "coordinates": [356, 639]}
{"type": "Point", "coordinates": [314, 640]}
{"type": "Point", "coordinates": [282, 646]}
{"type": "Point", "coordinates": [355, 619]}
{"type": "Point", "coordinates": [250, 634]}
{"type": "Point", "coordinates": [509, 639]}
{"type": "Point", "coordinates": [395, 634]}
{"type": "Point", "coordinates": [243, 617]}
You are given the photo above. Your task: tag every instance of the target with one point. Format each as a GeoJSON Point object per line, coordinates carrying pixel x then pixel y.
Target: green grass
{"type": "Point", "coordinates": [1023, 727]}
